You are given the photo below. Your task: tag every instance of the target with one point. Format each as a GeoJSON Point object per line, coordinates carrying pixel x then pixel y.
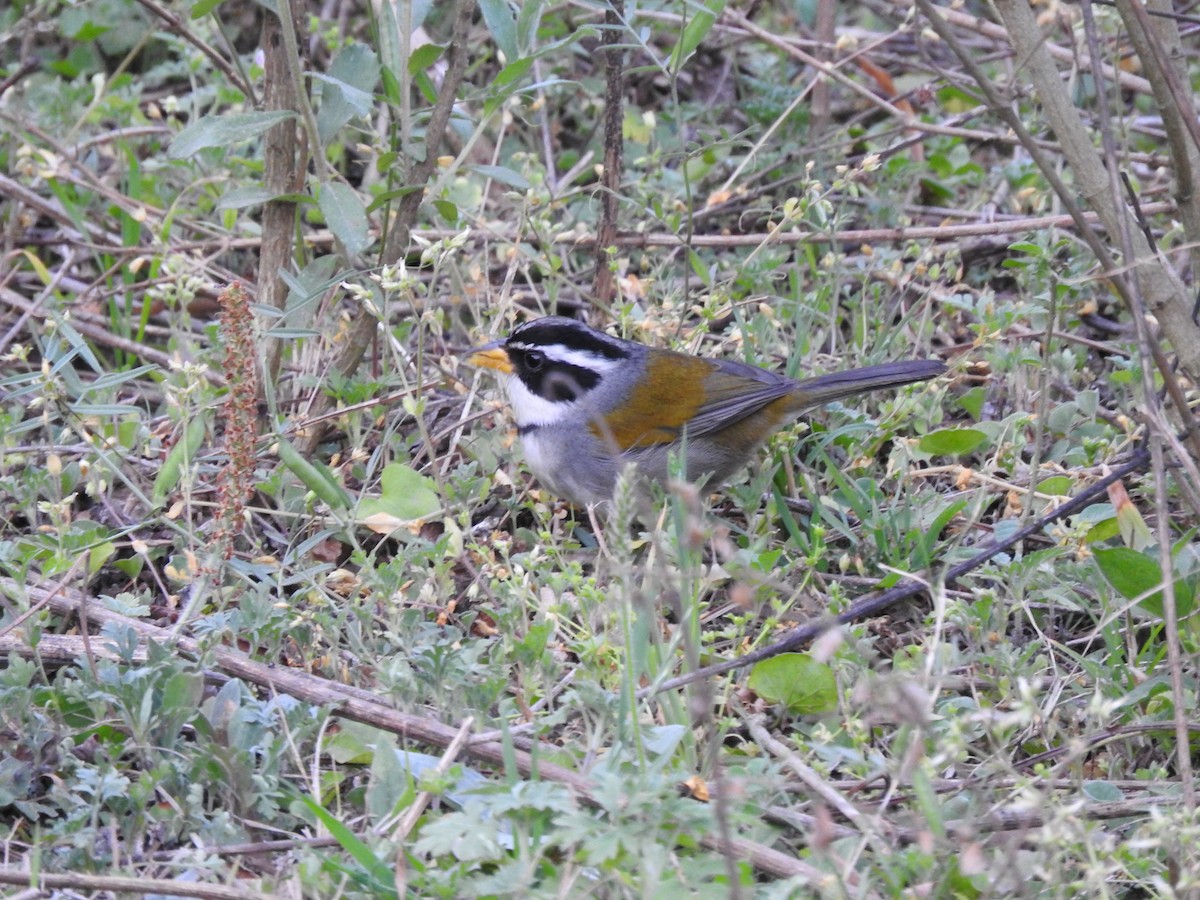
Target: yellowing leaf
{"type": "Point", "coordinates": [408, 496]}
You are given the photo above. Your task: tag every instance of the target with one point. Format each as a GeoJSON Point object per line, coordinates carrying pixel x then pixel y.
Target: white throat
{"type": "Point", "coordinates": [532, 411]}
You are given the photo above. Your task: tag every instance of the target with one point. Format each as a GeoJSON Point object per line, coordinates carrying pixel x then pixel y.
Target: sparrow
{"type": "Point", "coordinates": [587, 404]}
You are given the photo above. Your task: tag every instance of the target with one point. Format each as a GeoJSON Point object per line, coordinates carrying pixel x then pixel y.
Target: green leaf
{"type": "Point", "coordinates": [221, 709]}
{"type": "Point", "coordinates": [356, 744]}
{"type": "Point", "coordinates": [347, 90]}
{"type": "Point", "coordinates": [694, 32]}
{"type": "Point", "coordinates": [408, 496]}
{"type": "Point", "coordinates": [972, 401]}
{"type": "Point", "coordinates": [1103, 531]}
{"type": "Point", "coordinates": [390, 788]}
{"type": "Point", "coordinates": [182, 455]}
{"type": "Point", "coordinates": [513, 72]}
{"type": "Point", "coordinates": [424, 57]}
{"type": "Point", "coordinates": [796, 680]}
{"type": "Point", "coordinates": [385, 197]}
{"type": "Point", "coordinates": [183, 689]}
{"type": "Point", "coordinates": [699, 267]}
{"type": "Point", "coordinates": [104, 410]}
{"type": "Point", "coordinates": [501, 23]}
{"type": "Point", "coordinates": [952, 441]}
{"type": "Point", "coordinates": [346, 216]}
{"type": "Point", "coordinates": [419, 12]}
{"type": "Point", "coordinates": [245, 197]}
{"type": "Point", "coordinates": [426, 86]}
{"type": "Point", "coordinates": [1055, 486]}
{"type": "Point", "coordinates": [529, 15]}
{"type": "Point", "coordinates": [125, 603]}
{"type": "Point", "coordinates": [78, 23]}
{"type": "Point", "coordinates": [131, 567]}
{"type": "Point", "coordinates": [1130, 572]}
{"type": "Point", "coordinates": [202, 8]}
{"type": "Point", "coordinates": [927, 801]}
{"type": "Point", "coordinates": [314, 476]}
{"type": "Point", "coordinates": [305, 289]}
{"type": "Point", "coordinates": [1027, 247]}
{"type": "Point", "coordinates": [221, 131]}
{"type": "Point", "coordinates": [99, 555]}
{"type": "Point", "coordinates": [354, 101]}
{"type": "Point", "coordinates": [503, 175]}
{"type": "Point", "coordinates": [376, 869]}
{"type": "Point", "coordinates": [928, 537]}
{"type": "Point", "coordinates": [1102, 792]}
{"type": "Point", "coordinates": [472, 839]}
{"type": "Point", "coordinates": [448, 211]}
{"type": "Point", "coordinates": [1095, 513]}
{"type": "Point", "coordinates": [1138, 577]}
{"type": "Point", "coordinates": [528, 651]}
{"type": "Point", "coordinates": [662, 740]}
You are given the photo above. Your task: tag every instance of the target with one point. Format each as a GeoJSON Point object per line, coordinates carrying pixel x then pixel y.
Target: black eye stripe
{"type": "Point", "coordinates": [561, 360]}
{"type": "Point", "coordinates": [566, 386]}
{"type": "Point", "coordinates": [552, 379]}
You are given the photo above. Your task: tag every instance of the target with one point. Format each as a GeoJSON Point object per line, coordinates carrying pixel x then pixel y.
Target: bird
{"type": "Point", "coordinates": [586, 404]}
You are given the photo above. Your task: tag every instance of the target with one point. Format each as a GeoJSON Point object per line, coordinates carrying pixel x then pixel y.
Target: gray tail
{"type": "Point", "coordinates": [836, 385]}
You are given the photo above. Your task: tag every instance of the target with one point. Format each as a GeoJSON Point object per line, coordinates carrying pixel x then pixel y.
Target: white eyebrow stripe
{"type": "Point", "coordinates": [561, 353]}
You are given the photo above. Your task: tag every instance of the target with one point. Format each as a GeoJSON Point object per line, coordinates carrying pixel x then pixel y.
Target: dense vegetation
{"type": "Point", "coordinates": [283, 614]}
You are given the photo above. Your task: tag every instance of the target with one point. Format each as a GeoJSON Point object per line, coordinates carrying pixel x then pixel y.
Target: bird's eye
{"type": "Point", "coordinates": [534, 360]}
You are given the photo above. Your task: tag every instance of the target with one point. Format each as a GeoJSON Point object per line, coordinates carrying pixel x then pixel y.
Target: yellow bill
{"type": "Point", "coordinates": [491, 356]}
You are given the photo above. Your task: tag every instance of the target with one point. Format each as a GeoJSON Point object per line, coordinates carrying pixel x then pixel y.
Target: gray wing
{"type": "Point", "coordinates": [734, 391]}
